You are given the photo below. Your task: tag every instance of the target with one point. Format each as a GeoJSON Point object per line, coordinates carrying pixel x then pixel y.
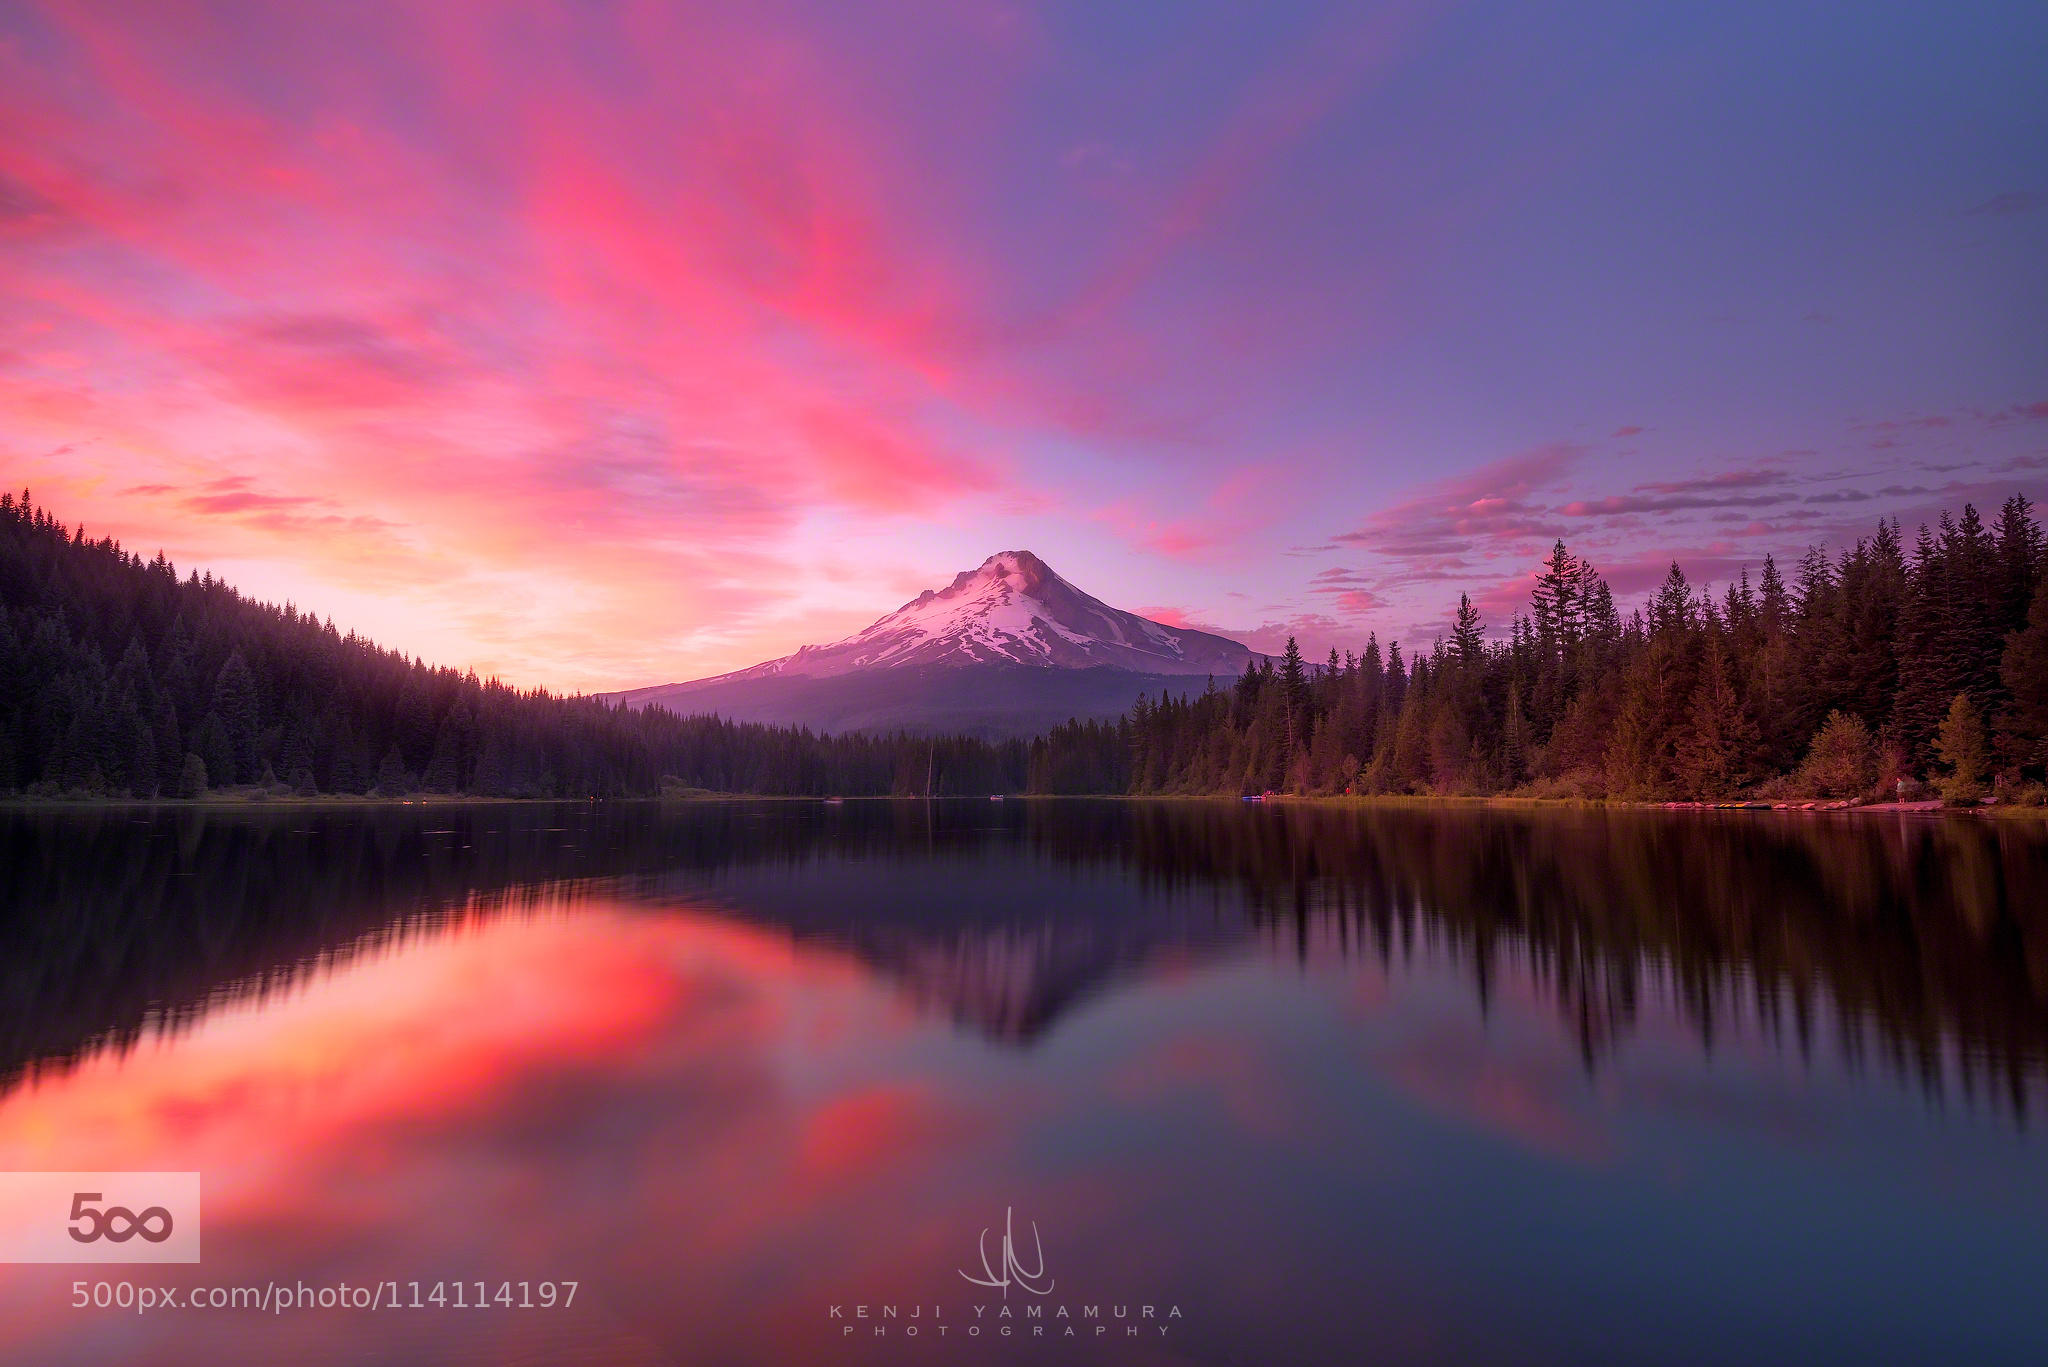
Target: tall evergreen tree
{"type": "Point", "coordinates": [1925, 677]}
{"type": "Point", "coordinates": [1715, 753]}
{"type": "Point", "coordinates": [234, 706]}
{"type": "Point", "coordinates": [1962, 747]}
{"type": "Point", "coordinates": [2023, 727]}
{"type": "Point", "coordinates": [217, 748]}
{"type": "Point", "coordinates": [192, 777]}
{"type": "Point", "coordinates": [2022, 561]}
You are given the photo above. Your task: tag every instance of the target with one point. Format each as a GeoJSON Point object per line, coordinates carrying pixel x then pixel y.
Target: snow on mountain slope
{"type": "Point", "coordinates": [1013, 610]}
{"type": "Point", "coordinates": [1008, 648]}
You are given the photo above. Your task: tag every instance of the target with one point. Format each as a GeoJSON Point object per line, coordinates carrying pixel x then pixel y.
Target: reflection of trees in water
{"type": "Point", "coordinates": [116, 924]}
{"type": "Point", "coordinates": [1917, 944]}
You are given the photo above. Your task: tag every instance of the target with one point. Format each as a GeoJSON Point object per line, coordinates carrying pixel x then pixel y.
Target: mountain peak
{"type": "Point", "coordinates": [1005, 571]}
{"type": "Point", "coordinates": [1022, 564]}
{"type": "Point", "coordinates": [1013, 610]}
{"type": "Point", "coordinates": [1008, 638]}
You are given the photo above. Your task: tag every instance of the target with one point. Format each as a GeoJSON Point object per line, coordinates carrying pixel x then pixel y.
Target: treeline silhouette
{"type": "Point", "coordinates": [1877, 672]}
{"type": "Point", "coordinates": [117, 678]}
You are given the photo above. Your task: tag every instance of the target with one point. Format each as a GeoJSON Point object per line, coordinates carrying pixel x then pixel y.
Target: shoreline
{"type": "Point", "coordinates": [1500, 802]}
{"type": "Point", "coordinates": [1505, 802]}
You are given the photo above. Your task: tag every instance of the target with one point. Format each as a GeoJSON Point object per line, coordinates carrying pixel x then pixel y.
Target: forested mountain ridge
{"type": "Point", "coordinates": [118, 678]}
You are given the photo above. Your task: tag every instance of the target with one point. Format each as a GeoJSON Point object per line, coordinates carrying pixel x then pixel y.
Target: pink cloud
{"type": "Point", "coordinates": [1229, 511]}
{"type": "Point", "coordinates": [562, 337]}
{"type": "Point", "coordinates": [618, 349]}
{"type": "Point", "coordinates": [1170, 616]}
{"type": "Point", "coordinates": [1488, 505]}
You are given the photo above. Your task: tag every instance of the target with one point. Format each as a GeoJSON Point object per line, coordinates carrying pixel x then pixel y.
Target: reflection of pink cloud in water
{"type": "Point", "coordinates": [720, 1132]}
{"type": "Point", "coordinates": [345, 1132]}
{"type": "Point", "coordinates": [353, 1051]}
{"type": "Point", "coordinates": [1456, 1078]}
{"type": "Point", "coordinates": [715, 1132]}
{"type": "Point", "coordinates": [860, 1131]}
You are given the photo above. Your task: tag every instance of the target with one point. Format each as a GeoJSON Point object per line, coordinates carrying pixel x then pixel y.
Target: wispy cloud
{"type": "Point", "coordinates": [2009, 203]}
{"type": "Point", "coordinates": [1491, 504]}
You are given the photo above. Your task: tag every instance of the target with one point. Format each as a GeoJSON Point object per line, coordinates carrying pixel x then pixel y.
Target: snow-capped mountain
{"type": "Point", "coordinates": [1007, 648]}
{"type": "Point", "coordinates": [1014, 610]}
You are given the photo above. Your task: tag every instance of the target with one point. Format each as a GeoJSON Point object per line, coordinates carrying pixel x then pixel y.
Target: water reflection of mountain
{"type": "Point", "coordinates": [1919, 945]}
{"type": "Point", "coordinates": [1001, 936]}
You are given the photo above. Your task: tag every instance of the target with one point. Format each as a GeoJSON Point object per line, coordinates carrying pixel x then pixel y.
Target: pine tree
{"type": "Point", "coordinates": [137, 771]}
{"type": "Point", "coordinates": [192, 777]}
{"type": "Point", "coordinates": [1371, 695]}
{"type": "Point", "coordinates": [1294, 702]}
{"type": "Point", "coordinates": [218, 750]}
{"type": "Point", "coordinates": [1926, 681]}
{"type": "Point", "coordinates": [234, 706]}
{"type": "Point", "coordinates": [1408, 770]}
{"type": "Point", "coordinates": [1773, 604]}
{"type": "Point", "coordinates": [1962, 747]}
{"type": "Point", "coordinates": [1637, 759]}
{"type": "Point", "coordinates": [1450, 750]}
{"type": "Point", "coordinates": [2023, 729]}
{"type": "Point", "coordinates": [1809, 635]}
{"type": "Point", "coordinates": [494, 770]}
{"type": "Point", "coordinates": [1468, 635]}
{"type": "Point", "coordinates": [1971, 639]}
{"type": "Point", "coordinates": [1557, 605]}
{"type": "Point", "coordinates": [1245, 694]}
{"type": "Point", "coordinates": [1603, 623]}
{"type": "Point", "coordinates": [169, 744]}
{"type": "Point", "coordinates": [1862, 659]}
{"type": "Point", "coordinates": [1514, 740]}
{"type": "Point", "coordinates": [2022, 553]}
{"type": "Point", "coordinates": [1713, 755]}
{"type": "Point", "coordinates": [449, 765]}
{"type": "Point", "coordinates": [295, 753]}
{"type": "Point", "coordinates": [1842, 761]}
{"type": "Point", "coordinates": [1671, 609]}
{"type": "Point", "coordinates": [391, 777]}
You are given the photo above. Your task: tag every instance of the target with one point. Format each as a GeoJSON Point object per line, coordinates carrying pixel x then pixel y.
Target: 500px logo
{"type": "Point", "coordinates": [100, 1224]}
{"type": "Point", "coordinates": [99, 1217]}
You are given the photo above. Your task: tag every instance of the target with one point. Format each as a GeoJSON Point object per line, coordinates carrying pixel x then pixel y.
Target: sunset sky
{"type": "Point", "coordinates": [603, 344]}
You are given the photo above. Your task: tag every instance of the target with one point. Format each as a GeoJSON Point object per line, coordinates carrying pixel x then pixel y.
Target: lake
{"type": "Point", "coordinates": [770, 1081]}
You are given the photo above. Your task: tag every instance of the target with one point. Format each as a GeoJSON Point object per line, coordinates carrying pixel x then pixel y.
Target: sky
{"type": "Point", "coordinates": [601, 344]}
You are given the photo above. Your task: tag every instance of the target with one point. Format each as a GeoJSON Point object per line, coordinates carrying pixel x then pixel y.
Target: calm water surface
{"type": "Point", "coordinates": [1315, 1085]}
